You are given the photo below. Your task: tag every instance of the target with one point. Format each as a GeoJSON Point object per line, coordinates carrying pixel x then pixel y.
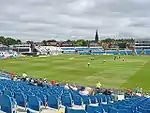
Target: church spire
{"type": "Point", "coordinates": [96, 36]}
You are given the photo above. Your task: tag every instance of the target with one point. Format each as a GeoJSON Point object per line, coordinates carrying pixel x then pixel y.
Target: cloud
{"type": "Point", "coordinates": [72, 19]}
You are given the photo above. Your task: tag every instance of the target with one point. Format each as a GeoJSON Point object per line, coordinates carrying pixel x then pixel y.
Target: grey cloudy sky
{"type": "Point", "coordinates": [74, 19]}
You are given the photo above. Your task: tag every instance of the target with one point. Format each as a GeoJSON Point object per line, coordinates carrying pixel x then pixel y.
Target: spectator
{"type": "Point", "coordinates": [141, 90]}
{"type": "Point", "coordinates": [31, 81]}
{"type": "Point", "coordinates": [75, 88]}
{"type": "Point", "coordinates": [12, 74]}
{"type": "Point", "coordinates": [45, 79]}
{"type": "Point", "coordinates": [98, 85]}
{"type": "Point", "coordinates": [107, 92]}
{"type": "Point", "coordinates": [57, 84]}
{"type": "Point", "coordinates": [147, 95]}
{"type": "Point", "coordinates": [70, 87]}
{"type": "Point", "coordinates": [137, 90]}
{"type": "Point", "coordinates": [128, 91]}
{"type": "Point", "coordinates": [40, 82]}
{"type": "Point", "coordinates": [53, 82]}
{"type": "Point", "coordinates": [24, 76]}
{"type": "Point", "coordinates": [90, 90]}
{"type": "Point", "coordinates": [83, 91]}
{"type": "Point", "coordinates": [15, 77]}
{"type": "Point", "coordinates": [66, 86]}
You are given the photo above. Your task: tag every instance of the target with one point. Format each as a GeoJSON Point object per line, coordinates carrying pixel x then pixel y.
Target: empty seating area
{"type": "Point", "coordinates": [100, 51]}
{"type": "Point", "coordinates": [138, 51]}
{"type": "Point", "coordinates": [142, 51]}
{"type": "Point", "coordinates": [20, 97]}
{"type": "Point", "coordinates": [111, 52]}
{"type": "Point", "coordinates": [147, 51]}
{"type": "Point", "coordinates": [82, 50]}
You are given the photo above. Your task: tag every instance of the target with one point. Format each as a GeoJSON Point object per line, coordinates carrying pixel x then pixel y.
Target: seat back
{"type": "Point", "coordinates": [86, 100]}
{"type": "Point", "coordinates": [93, 99]}
{"type": "Point", "coordinates": [77, 100]}
{"type": "Point", "coordinates": [9, 93]}
{"type": "Point", "coordinates": [106, 107]}
{"type": "Point", "coordinates": [93, 109]}
{"type": "Point", "coordinates": [7, 104]}
{"type": "Point", "coordinates": [70, 110]}
{"type": "Point", "coordinates": [124, 107]}
{"type": "Point", "coordinates": [34, 103]}
{"type": "Point", "coordinates": [143, 110]}
{"type": "Point", "coordinates": [42, 97]}
{"type": "Point", "coordinates": [123, 111]}
{"type": "Point", "coordinates": [20, 99]}
{"type": "Point", "coordinates": [53, 102]}
{"type": "Point", "coordinates": [112, 110]}
{"type": "Point", "coordinates": [66, 101]}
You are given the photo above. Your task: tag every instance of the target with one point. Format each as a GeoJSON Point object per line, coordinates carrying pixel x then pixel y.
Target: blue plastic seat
{"type": "Point", "coordinates": [21, 99]}
{"type": "Point", "coordinates": [77, 100]}
{"type": "Point", "coordinates": [70, 110]}
{"type": "Point", "coordinates": [53, 102]}
{"type": "Point", "coordinates": [112, 110]}
{"type": "Point", "coordinates": [7, 104]}
{"type": "Point", "coordinates": [93, 109]}
{"type": "Point", "coordinates": [86, 99]}
{"type": "Point", "coordinates": [125, 107]}
{"type": "Point", "coordinates": [66, 101]}
{"type": "Point", "coordinates": [43, 98]}
{"type": "Point", "coordinates": [143, 110]}
{"type": "Point", "coordinates": [123, 111]}
{"type": "Point", "coordinates": [106, 107]}
{"type": "Point", "coordinates": [34, 103]}
{"type": "Point", "coordinates": [99, 98]}
{"type": "Point", "coordinates": [93, 99]}
{"type": "Point", "coordinates": [9, 93]}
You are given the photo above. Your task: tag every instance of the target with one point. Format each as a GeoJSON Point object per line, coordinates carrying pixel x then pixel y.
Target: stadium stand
{"type": "Point", "coordinates": [100, 51]}
{"type": "Point", "coordinates": [147, 51]}
{"type": "Point", "coordinates": [52, 50]}
{"type": "Point", "coordinates": [111, 52]}
{"type": "Point", "coordinates": [48, 50]}
{"type": "Point", "coordinates": [20, 97]}
{"type": "Point", "coordinates": [5, 52]}
{"type": "Point", "coordinates": [138, 51]}
{"type": "Point", "coordinates": [82, 50]}
{"type": "Point", "coordinates": [8, 54]}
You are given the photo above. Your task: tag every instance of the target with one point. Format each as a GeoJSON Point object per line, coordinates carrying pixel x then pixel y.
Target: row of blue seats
{"type": "Point", "coordinates": [80, 49]}
{"type": "Point", "coordinates": [28, 96]}
{"type": "Point", "coordinates": [146, 51]}
{"type": "Point", "coordinates": [134, 105]}
{"type": "Point", "coordinates": [112, 52]}
{"type": "Point", "coordinates": [33, 97]}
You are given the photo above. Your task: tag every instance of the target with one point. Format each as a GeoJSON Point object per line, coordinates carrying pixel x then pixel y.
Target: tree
{"type": "Point", "coordinates": [10, 41]}
{"type": "Point", "coordinates": [51, 40]}
{"type": "Point", "coordinates": [19, 41]}
{"type": "Point", "coordinates": [29, 42]}
{"type": "Point", "coordinates": [108, 40]}
{"type": "Point", "coordinates": [2, 39]}
{"type": "Point", "coordinates": [68, 41]}
{"type": "Point", "coordinates": [44, 42]}
{"type": "Point", "coordinates": [79, 43]}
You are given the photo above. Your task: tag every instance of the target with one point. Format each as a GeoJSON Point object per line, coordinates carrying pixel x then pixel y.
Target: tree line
{"type": "Point", "coordinates": [9, 41]}
{"type": "Point", "coordinates": [80, 42]}
{"type": "Point", "coordinates": [107, 40]}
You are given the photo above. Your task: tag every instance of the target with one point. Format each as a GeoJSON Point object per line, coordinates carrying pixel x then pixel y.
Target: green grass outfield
{"type": "Point", "coordinates": [133, 72]}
